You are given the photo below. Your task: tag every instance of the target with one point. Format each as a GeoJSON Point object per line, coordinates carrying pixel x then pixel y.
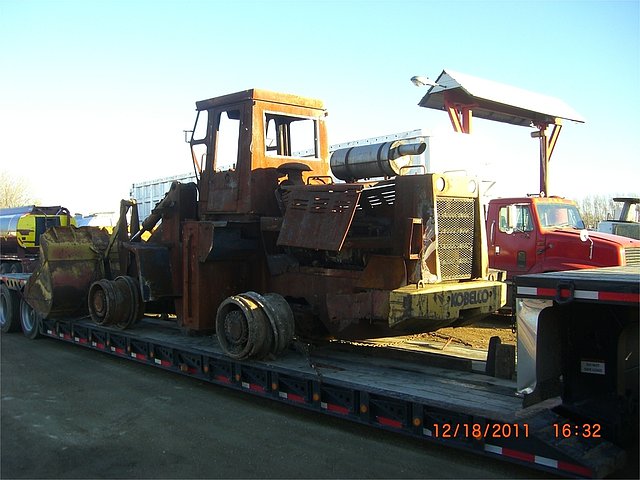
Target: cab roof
{"type": "Point", "coordinates": [256, 94]}
{"type": "Point", "coordinates": [536, 199]}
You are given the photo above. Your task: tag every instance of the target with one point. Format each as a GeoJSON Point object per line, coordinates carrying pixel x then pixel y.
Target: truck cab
{"type": "Point", "coordinates": [627, 223]}
{"type": "Point", "coordinates": [20, 231]}
{"type": "Point", "coordinates": [544, 234]}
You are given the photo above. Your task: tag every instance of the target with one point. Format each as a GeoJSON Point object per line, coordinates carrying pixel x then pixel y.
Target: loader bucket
{"type": "Point", "coordinates": [71, 259]}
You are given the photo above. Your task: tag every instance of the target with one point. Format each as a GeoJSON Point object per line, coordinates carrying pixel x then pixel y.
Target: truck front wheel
{"type": "Point", "coordinates": [9, 310]}
{"type": "Point", "coordinates": [30, 321]}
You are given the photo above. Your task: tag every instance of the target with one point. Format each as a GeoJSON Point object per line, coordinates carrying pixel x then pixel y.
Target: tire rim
{"type": "Point", "coordinates": [27, 316]}
{"type": "Point", "coordinates": [3, 310]}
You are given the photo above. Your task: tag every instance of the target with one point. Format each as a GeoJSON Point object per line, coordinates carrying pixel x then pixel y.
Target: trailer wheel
{"type": "Point", "coordinates": [30, 321]}
{"type": "Point", "coordinates": [9, 310]}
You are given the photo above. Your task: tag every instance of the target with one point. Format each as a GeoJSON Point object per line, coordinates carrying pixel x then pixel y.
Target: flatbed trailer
{"type": "Point", "coordinates": [445, 401]}
{"type": "Point", "coordinates": [578, 338]}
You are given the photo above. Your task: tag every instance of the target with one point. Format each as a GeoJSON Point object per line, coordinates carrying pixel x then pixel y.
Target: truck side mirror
{"type": "Point", "coordinates": [584, 235]}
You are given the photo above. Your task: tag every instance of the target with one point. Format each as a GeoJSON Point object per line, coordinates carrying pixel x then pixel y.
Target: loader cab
{"type": "Point", "coordinates": [242, 143]}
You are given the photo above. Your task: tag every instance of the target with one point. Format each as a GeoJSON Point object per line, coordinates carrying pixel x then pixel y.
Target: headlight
{"type": "Point", "coordinates": [471, 186]}
{"type": "Point", "coordinates": [440, 184]}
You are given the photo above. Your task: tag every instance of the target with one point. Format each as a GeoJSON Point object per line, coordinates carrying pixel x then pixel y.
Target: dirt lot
{"type": "Point", "coordinates": [476, 337]}
{"type": "Point", "coordinates": [470, 341]}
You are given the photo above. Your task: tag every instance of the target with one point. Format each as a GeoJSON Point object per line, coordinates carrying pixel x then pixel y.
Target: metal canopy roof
{"type": "Point", "coordinates": [496, 101]}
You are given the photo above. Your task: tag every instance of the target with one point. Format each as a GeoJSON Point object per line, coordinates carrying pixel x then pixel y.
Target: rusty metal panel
{"type": "Point", "coordinates": [345, 311]}
{"type": "Point", "coordinates": [384, 272]}
{"type": "Point", "coordinates": [225, 188]}
{"type": "Point", "coordinates": [314, 284]}
{"type": "Point", "coordinates": [154, 271]}
{"type": "Point", "coordinates": [318, 217]}
{"type": "Point", "coordinates": [380, 196]}
{"type": "Point", "coordinates": [200, 297]}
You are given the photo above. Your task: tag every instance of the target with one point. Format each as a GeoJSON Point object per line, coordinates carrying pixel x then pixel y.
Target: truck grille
{"type": "Point", "coordinates": [455, 229]}
{"type": "Point", "coordinates": [632, 255]}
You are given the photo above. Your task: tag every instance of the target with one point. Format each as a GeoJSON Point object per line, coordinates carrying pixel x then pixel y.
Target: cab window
{"type": "Point", "coordinates": [289, 136]}
{"type": "Point", "coordinates": [199, 139]}
{"type": "Point", "coordinates": [227, 138]}
{"type": "Point", "coordinates": [523, 221]}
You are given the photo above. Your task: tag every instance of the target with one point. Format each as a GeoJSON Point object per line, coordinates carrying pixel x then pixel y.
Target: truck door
{"type": "Point", "coordinates": [512, 239]}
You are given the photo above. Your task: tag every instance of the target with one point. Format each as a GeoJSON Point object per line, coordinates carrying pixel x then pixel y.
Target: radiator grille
{"type": "Point", "coordinates": [455, 225]}
{"type": "Point", "coordinates": [632, 255]}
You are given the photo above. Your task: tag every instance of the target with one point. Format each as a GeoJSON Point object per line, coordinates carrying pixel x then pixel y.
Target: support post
{"type": "Point", "coordinates": [459, 114]}
{"type": "Point", "coordinates": [547, 144]}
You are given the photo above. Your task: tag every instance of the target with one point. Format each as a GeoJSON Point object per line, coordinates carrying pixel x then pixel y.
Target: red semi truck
{"type": "Point", "coordinates": [538, 234]}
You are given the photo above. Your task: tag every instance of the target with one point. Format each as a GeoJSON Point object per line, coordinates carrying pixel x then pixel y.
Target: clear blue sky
{"type": "Point", "coordinates": [94, 95]}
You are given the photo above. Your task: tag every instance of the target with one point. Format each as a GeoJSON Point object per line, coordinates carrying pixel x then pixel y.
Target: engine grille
{"type": "Point", "coordinates": [455, 230]}
{"type": "Point", "coordinates": [632, 255]}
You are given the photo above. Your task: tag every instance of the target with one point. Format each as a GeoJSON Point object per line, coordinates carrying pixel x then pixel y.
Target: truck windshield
{"type": "Point", "coordinates": [559, 215]}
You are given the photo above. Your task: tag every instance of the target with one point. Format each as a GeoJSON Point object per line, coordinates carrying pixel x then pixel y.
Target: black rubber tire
{"type": "Point", "coordinates": [30, 321]}
{"type": "Point", "coordinates": [9, 310]}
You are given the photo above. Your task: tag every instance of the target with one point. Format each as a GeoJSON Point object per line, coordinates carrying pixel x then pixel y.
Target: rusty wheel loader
{"type": "Point", "coordinates": [277, 239]}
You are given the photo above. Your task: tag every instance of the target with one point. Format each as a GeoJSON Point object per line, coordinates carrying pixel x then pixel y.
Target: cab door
{"type": "Point", "coordinates": [220, 150]}
{"type": "Point", "coordinates": [512, 239]}
{"type": "Point", "coordinates": [224, 182]}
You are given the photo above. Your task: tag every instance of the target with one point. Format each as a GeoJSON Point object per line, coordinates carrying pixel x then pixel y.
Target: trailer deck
{"type": "Point", "coordinates": [616, 285]}
{"type": "Point", "coordinates": [415, 396]}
